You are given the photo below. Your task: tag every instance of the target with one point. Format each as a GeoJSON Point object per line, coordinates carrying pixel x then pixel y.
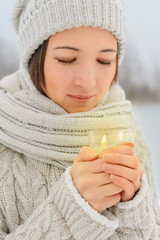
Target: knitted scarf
{"type": "Point", "coordinates": [35, 125]}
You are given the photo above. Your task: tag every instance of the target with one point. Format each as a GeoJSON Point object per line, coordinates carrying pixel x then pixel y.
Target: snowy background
{"type": "Point", "coordinates": [139, 73]}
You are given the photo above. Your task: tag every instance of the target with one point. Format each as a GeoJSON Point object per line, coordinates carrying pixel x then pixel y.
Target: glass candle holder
{"type": "Point", "coordinates": [102, 139]}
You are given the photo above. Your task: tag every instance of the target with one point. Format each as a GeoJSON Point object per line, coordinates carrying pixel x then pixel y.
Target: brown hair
{"type": "Point", "coordinates": [36, 68]}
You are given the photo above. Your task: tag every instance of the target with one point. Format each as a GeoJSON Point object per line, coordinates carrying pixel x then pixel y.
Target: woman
{"type": "Point", "coordinates": [52, 184]}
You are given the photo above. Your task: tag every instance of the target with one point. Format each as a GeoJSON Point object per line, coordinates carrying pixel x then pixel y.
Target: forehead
{"type": "Point", "coordinates": [83, 36]}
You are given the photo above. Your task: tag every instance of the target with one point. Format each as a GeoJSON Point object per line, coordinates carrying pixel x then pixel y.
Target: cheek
{"type": "Point", "coordinates": [107, 77]}
{"type": "Point", "coordinates": [57, 80]}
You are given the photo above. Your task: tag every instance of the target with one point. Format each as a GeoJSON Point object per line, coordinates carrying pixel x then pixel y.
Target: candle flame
{"type": "Point", "coordinates": [104, 141]}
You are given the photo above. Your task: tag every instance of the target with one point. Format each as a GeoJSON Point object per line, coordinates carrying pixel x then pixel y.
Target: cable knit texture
{"type": "Point", "coordinates": [39, 142]}
{"type": "Point", "coordinates": [35, 125]}
{"type": "Point", "coordinates": [36, 20]}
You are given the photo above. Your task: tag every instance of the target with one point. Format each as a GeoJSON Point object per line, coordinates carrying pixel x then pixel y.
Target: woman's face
{"type": "Point", "coordinates": [80, 64]}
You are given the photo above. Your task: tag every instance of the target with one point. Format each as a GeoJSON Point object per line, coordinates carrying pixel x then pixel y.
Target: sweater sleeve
{"type": "Point", "coordinates": [136, 217]}
{"type": "Point", "coordinates": [143, 153]}
{"type": "Point", "coordinates": [139, 218]}
{"type": "Point", "coordinates": [64, 214]}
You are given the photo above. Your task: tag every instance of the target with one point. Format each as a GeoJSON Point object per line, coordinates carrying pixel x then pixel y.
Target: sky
{"type": "Point", "coordinates": [142, 25]}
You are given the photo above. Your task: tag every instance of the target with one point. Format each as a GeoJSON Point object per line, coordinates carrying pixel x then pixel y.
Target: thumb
{"type": "Point", "coordinates": [86, 153]}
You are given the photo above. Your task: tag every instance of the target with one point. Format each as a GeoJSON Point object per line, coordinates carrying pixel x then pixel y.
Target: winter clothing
{"type": "Point", "coordinates": [39, 140]}
{"type": "Point", "coordinates": [38, 199]}
{"type": "Point", "coordinates": [35, 21]}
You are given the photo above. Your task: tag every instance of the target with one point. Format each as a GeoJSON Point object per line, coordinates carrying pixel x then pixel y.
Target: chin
{"type": "Point", "coordinates": [79, 109]}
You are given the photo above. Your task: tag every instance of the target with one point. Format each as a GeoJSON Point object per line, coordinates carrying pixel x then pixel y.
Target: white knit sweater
{"type": "Point", "coordinates": [38, 200]}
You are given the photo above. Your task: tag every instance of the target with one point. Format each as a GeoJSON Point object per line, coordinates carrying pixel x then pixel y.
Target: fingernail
{"type": "Point", "coordinates": [111, 176]}
{"type": "Point", "coordinates": [107, 167]}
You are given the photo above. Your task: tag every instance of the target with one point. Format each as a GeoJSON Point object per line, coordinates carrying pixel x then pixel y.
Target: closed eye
{"type": "Point", "coordinates": [66, 62]}
{"type": "Point", "coordinates": [105, 63]}
{"type": "Point", "coordinates": [73, 60]}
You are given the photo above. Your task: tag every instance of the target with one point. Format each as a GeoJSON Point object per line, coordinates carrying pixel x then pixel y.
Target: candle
{"type": "Point", "coordinates": [103, 145]}
{"type": "Point", "coordinates": [102, 139]}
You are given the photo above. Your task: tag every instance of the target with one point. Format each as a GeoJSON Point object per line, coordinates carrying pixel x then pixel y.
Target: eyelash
{"type": "Point", "coordinates": [72, 61]}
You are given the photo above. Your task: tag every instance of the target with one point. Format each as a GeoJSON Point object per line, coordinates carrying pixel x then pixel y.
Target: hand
{"type": "Point", "coordinates": [93, 184]}
{"type": "Point", "coordinates": [124, 168]}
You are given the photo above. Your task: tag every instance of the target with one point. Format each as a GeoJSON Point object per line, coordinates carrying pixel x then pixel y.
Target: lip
{"type": "Point", "coordinates": [80, 98]}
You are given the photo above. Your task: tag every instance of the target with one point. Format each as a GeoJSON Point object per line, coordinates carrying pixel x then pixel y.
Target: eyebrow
{"type": "Point", "coordinates": [76, 49]}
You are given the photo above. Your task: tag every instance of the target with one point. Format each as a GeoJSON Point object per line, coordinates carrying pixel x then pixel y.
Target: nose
{"type": "Point", "coordinates": [86, 77]}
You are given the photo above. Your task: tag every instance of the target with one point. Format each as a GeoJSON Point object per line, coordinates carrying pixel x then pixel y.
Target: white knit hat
{"type": "Point", "coordinates": [36, 20]}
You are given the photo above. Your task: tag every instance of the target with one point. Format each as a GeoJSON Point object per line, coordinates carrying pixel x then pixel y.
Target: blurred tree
{"type": "Point", "coordinates": [135, 77]}
{"type": "Point", "coordinates": [9, 61]}
{"type": "Point", "coordinates": [157, 83]}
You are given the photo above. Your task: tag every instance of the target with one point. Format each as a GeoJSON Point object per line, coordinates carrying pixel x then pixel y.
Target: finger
{"type": "Point", "coordinates": [129, 188]}
{"type": "Point", "coordinates": [123, 149]}
{"type": "Point", "coordinates": [95, 166]}
{"type": "Point", "coordinates": [102, 191]}
{"type": "Point", "coordinates": [100, 179]}
{"type": "Point", "coordinates": [112, 200]}
{"type": "Point", "coordinates": [97, 180]}
{"type": "Point", "coordinates": [108, 190]}
{"type": "Point", "coordinates": [121, 159]}
{"type": "Point", "coordinates": [129, 144]}
{"type": "Point", "coordinates": [126, 185]}
{"type": "Point", "coordinates": [106, 202]}
{"type": "Point", "coordinates": [128, 173]}
{"type": "Point", "coordinates": [86, 154]}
